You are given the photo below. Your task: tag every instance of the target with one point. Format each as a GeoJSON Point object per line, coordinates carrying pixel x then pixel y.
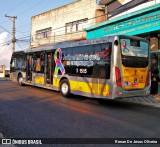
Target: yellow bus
{"type": "Point", "coordinates": [110, 67]}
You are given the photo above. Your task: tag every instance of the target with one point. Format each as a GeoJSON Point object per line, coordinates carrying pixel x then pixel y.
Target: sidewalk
{"type": "Point", "coordinates": [150, 100]}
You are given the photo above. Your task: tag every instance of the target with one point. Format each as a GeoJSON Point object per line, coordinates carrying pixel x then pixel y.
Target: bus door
{"type": "Point", "coordinates": [49, 69]}
{"type": "Point", "coordinates": [29, 68]}
{"type": "Point", "coordinates": [38, 68]}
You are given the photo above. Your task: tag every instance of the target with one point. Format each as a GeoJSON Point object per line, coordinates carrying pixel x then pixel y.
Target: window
{"type": "Point", "coordinates": [17, 62]}
{"type": "Point", "coordinates": [1, 69]}
{"type": "Point", "coordinates": [103, 66]}
{"type": "Point", "coordinates": [13, 63]}
{"type": "Point", "coordinates": [86, 60]}
{"type": "Point", "coordinates": [43, 33]}
{"type": "Point", "coordinates": [38, 62]}
{"type": "Point", "coordinates": [50, 68]}
{"type": "Point", "coordinates": [76, 25]}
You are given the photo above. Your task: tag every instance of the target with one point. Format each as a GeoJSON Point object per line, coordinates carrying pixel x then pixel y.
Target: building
{"type": "Point", "coordinates": [65, 23]}
{"type": "Point", "coordinates": [131, 17]}
{"type": "Point", "coordinates": [2, 71]}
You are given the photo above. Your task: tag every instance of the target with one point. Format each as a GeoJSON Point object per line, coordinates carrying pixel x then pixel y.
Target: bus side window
{"type": "Point", "coordinates": [24, 63]}
{"type": "Point", "coordinates": [103, 66]}
{"type": "Point", "coordinates": [19, 62]}
{"type": "Point", "coordinates": [36, 62]}
{"type": "Point", "coordinates": [98, 50]}
{"type": "Point", "coordinates": [107, 59]}
{"type": "Point", "coordinates": [68, 52]}
{"type": "Point", "coordinates": [42, 59]}
{"type": "Point", "coordinates": [107, 52]}
{"type": "Point", "coordinates": [13, 63]}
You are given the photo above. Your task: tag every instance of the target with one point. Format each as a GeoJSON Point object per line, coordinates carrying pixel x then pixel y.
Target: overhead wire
{"type": "Point", "coordinates": [30, 7]}
{"type": "Point", "coordinates": [24, 10]}
{"type": "Point", "coordinates": [16, 6]}
{"type": "Point", "coordinates": [20, 39]}
{"type": "Point", "coordinates": [63, 12]}
{"type": "Point", "coordinates": [6, 30]}
{"type": "Point", "coordinates": [21, 12]}
{"type": "Point", "coordinates": [51, 17]}
{"type": "Point", "coordinates": [52, 9]}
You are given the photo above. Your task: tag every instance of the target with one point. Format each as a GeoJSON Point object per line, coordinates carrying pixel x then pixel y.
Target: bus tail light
{"type": "Point", "coordinates": [118, 77]}
{"type": "Point", "coordinates": [118, 93]}
{"type": "Point", "coordinates": [148, 78]}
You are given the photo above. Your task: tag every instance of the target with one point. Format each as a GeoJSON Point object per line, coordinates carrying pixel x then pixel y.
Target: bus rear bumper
{"type": "Point", "coordinates": [131, 93]}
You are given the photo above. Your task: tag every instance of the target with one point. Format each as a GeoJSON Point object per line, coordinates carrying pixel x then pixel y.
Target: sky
{"type": "Point", "coordinates": [23, 10]}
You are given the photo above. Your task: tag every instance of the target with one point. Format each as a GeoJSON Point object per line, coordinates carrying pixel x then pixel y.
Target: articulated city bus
{"type": "Point", "coordinates": [110, 67]}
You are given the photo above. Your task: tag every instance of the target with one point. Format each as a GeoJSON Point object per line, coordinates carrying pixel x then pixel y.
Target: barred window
{"type": "Point", "coordinates": [44, 33]}
{"type": "Point", "coordinates": [76, 25]}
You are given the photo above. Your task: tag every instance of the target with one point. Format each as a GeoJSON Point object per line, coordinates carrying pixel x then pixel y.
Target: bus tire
{"type": "Point", "coordinates": [65, 88]}
{"type": "Point", "coordinates": [20, 79]}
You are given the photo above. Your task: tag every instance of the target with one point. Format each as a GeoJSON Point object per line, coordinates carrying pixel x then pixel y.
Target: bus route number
{"type": "Point", "coordinates": [81, 70]}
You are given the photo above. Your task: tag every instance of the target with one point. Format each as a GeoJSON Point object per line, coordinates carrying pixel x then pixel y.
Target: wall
{"type": "Point", "coordinates": [57, 19]}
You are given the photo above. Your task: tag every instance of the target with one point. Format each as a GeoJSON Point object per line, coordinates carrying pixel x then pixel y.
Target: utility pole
{"type": "Point", "coordinates": [13, 31]}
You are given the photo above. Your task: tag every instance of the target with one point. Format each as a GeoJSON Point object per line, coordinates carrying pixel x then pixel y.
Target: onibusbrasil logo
{"type": "Point", "coordinates": [125, 49]}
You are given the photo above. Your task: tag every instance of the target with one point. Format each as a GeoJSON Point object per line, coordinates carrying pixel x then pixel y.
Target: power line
{"type": "Point", "coordinates": [30, 8]}
{"type": "Point", "coordinates": [5, 43]}
{"type": "Point", "coordinates": [19, 46]}
{"type": "Point", "coordinates": [22, 38]}
{"type": "Point", "coordinates": [24, 10]}
{"type": "Point", "coordinates": [50, 17]}
{"type": "Point", "coordinates": [16, 6]}
{"type": "Point", "coordinates": [6, 30]}
{"type": "Point", "coordinates": [25, 37]}
{"type": "Point", "coordinates": [84, 25]}
{"type": "Point", "coordinates": [62, 13]}
{"type": "Point", "coordinates": [13, 9]}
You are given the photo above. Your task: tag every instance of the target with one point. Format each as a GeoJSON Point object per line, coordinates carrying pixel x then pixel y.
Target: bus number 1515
{"type": "Point", "coordinates": [81, 70]}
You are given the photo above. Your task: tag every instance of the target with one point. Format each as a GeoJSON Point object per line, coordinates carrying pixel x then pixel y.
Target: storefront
{"type": "Point", "coordinates": [144, 23]}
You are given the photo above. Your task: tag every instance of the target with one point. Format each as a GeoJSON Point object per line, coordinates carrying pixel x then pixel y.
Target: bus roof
{"type": "Point", "coordinates": [67, 44]}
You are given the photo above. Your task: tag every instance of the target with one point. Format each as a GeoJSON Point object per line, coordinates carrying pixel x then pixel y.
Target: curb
{"type": "Point", "coordinates": [157, 98]}
{"type": "Point", "coordinates": [148, 101]}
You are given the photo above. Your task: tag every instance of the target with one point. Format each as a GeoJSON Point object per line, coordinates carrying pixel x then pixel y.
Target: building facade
{"type": "Point", "coordinates": [65, 23]}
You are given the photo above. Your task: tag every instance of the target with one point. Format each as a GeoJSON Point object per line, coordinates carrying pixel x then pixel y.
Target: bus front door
{"type": "Point", "coordinates": [49, 69]}
{"type": "Point", "coordinates": [29, 68]}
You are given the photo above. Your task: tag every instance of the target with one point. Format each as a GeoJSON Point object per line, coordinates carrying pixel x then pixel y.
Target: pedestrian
{"type": "Point", "coordinates": [154, 82]}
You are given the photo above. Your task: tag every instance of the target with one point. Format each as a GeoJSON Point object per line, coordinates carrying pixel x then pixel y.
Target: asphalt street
{"type": "Point", "coordinates": [30, 112]}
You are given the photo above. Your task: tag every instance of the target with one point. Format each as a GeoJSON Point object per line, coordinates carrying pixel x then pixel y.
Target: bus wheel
{"type": "Point", "coordinates": [65, 88]}
{"type": "Point", "coordinates": [20, 79]}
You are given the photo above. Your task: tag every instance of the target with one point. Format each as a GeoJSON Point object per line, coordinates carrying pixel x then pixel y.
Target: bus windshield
{"type": "Point", "coordinates": [134, 53]}
{"type": "Point", "coordinates": [130, 47]}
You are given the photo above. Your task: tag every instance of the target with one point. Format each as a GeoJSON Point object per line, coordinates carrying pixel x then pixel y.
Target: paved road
{"type": "Point", "coordinates": [39, 113]}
